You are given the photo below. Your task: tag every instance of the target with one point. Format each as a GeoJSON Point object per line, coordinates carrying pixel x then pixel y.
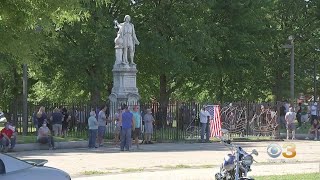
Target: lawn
{"type": "Point", "coordinates": [308, 176]}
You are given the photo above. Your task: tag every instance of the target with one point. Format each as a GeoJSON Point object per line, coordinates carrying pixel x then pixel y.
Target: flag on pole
{"type": "Point", "coordinates": [215, 120]}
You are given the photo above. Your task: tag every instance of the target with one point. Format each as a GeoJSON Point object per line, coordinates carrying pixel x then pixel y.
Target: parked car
{"type": "Point", "coordinates": [12, 168]}
{"type": "Point", "coordinates": [2, 117]}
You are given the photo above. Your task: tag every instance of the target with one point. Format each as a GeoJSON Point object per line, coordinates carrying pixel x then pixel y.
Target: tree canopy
{"type": "Point", "coordinates": [217, 50]}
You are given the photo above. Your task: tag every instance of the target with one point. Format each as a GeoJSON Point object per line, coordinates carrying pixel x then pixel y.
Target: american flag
{"type": "Point", "coordinates": [215, 120]}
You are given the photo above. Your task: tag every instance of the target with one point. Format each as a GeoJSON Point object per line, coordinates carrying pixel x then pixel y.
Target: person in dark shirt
{"type": "Point", "coordinates": [65, 122]}
{"type": "Point", "coordinates": [282, 115]}
{"type": "Point", "coordinates": [298, 115]}
{"type": "Point", "coordinates": [127, 124]}
{"type": "Point", "coordinates": [56, 121]}
{"type": "Point", "coordinates": [41, 116]}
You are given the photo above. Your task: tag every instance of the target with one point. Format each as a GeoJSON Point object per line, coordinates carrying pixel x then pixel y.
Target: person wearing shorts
{"type": "Point", "coordinates": [313, 112]}
{"type": "Point", "coordinates": [102, 121]}
{"type": "Point", "coordinates": [56, 120]}
{"type": "Point", "coordinates": [137, 128]}
{"type": "Point", "coordinates": [290, 117]}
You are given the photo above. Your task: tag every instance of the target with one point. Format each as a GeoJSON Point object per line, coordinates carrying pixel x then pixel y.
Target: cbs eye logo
{"type": "Point", "coordinates": [288, 150]}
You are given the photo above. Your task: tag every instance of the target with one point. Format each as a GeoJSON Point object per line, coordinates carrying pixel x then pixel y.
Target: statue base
{"type": "Point", "coordinates": [124, 89]}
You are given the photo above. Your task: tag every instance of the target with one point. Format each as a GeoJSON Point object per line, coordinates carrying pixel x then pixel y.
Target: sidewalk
{"type": "Point", "coordinates": [58, 145]}
{"type": "Point", "coordinates": [84, 144]}
{"type": "Point", "coordinates": [298, 136]}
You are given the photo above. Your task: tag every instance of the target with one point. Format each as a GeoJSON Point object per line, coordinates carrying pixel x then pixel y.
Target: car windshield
{"type": "Point", "coordinates": [13, 164]}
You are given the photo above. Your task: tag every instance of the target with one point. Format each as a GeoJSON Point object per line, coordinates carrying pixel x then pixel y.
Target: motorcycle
{"type": "Point", "coordinates": [237, 164]}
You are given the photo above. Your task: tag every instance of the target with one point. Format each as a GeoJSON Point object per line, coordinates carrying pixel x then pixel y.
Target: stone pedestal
{"type": "Point", "coordinates": [124, 86]}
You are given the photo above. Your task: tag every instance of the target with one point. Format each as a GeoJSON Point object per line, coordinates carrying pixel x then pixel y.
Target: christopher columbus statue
{"type": "Point", "coordinates": [125, 41]}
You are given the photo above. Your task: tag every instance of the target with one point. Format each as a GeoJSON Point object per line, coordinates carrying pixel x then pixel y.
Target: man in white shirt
{"type": "Point", "coordinates": [44, 136]}
{"type": "Point", "coordinates": [313, 112]}
{"type": "Point", "coordinates": [204, 121]}
{"type": "Point", "coordinates": [290, 117]}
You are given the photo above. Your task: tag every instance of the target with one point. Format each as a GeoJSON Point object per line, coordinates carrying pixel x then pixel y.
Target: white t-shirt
{"type": "Point", "coordinates": [43, 131]}
{"type": "Point", "coordinates": [204, 116]}
{"type": "Point", "coordinates": [290, 117]}
{"type": "Point", "coordinates": [314, 110]}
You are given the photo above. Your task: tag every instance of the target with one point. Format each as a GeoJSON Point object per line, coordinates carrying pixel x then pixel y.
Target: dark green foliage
{"type": "Point", "coordinates": [217, 50]}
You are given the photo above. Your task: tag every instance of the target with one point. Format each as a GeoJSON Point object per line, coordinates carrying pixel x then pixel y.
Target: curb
{"type": "Point", "coordinates": [58, 145]}
{"type": "Point", "coordinates": [298, 136]}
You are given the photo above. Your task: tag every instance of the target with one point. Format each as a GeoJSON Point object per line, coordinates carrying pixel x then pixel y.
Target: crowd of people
{"type": "Point", "coordinates": [128, 126]}
{"type": "Point", "coordinates": [132, 125]}
{"type": "Point", "coordinates": [304, 114]}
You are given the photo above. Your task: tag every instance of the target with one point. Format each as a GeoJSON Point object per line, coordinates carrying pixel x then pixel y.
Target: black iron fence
{"type": "Point", "coordinates": [175, 121]}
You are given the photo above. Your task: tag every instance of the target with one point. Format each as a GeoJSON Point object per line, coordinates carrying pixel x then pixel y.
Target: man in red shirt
{"type": "Point", "coordinates": [5, 138]}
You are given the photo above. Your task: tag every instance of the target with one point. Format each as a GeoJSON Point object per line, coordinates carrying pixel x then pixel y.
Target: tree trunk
{"type": "Point", "coordinates": [164, 99]}
{"type": "Point", "coordinates": [277, 87]}
{"type": "Point", "coordinates": [95, 97]}
{"type": "Point", "coordinates": [15, 92]}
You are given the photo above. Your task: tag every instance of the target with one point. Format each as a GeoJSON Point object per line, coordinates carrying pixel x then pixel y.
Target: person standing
{"type": "Point", "coordinates": [56, 121]}
{"type": "Point", "coordinates": [204, 116]}
{"type": "Point", "coordinates": [148, 125]}
{"type": "Point", "coordinates": [102, 122]}
{"type": "Point", "coordinates": [117, 117]}
{"type": "Point", "coordinates": [304, 113]}
{"type": "Point", "coordinates": [127, 124]}
{"type": "Point", "coordinates": [290, 117]}
{"type": "Point", "coordinates": [93, 129]}
{"type": "Point", "coordinates": [282, 114]}
{"type": "Point", "coordinates": [137, 120]}
{"type": "Point", "coordinates": [313, 112]}
{"type": "Point", "coordinates": [298, 115]}
{"type": "Point", "coordinates": [65, 122]}
{"type": "Point", "coordinates": [41, 116]}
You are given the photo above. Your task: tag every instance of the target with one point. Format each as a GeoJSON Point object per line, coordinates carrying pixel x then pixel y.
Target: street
{"type": "Point", "coordinates": [173, 161]}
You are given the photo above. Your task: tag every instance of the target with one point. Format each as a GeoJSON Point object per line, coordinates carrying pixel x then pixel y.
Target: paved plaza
{"type": "Point", "coordinates": [173, 160]}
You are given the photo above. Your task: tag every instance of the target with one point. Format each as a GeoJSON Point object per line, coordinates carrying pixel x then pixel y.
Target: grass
{"type": "Point", "coordinates": [92, 173]}
{"type": "Point", "coordinates": [307, 176]}
{"type": "Point", "coordinates": [128, 170]}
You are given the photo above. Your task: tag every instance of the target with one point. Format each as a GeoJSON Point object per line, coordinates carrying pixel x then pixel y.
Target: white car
{"type": "Point", "coordinates": [30, 169]}
{"type": "Point", "coordinates": [2, 117]}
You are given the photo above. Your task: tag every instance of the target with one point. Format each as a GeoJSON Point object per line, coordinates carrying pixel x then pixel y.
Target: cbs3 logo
{"type": "Point", "coordinates": [288, 150]}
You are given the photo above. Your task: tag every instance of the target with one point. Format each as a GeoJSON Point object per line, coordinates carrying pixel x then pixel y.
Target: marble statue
{"type": "Point", "coordinates": [125, 41]}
